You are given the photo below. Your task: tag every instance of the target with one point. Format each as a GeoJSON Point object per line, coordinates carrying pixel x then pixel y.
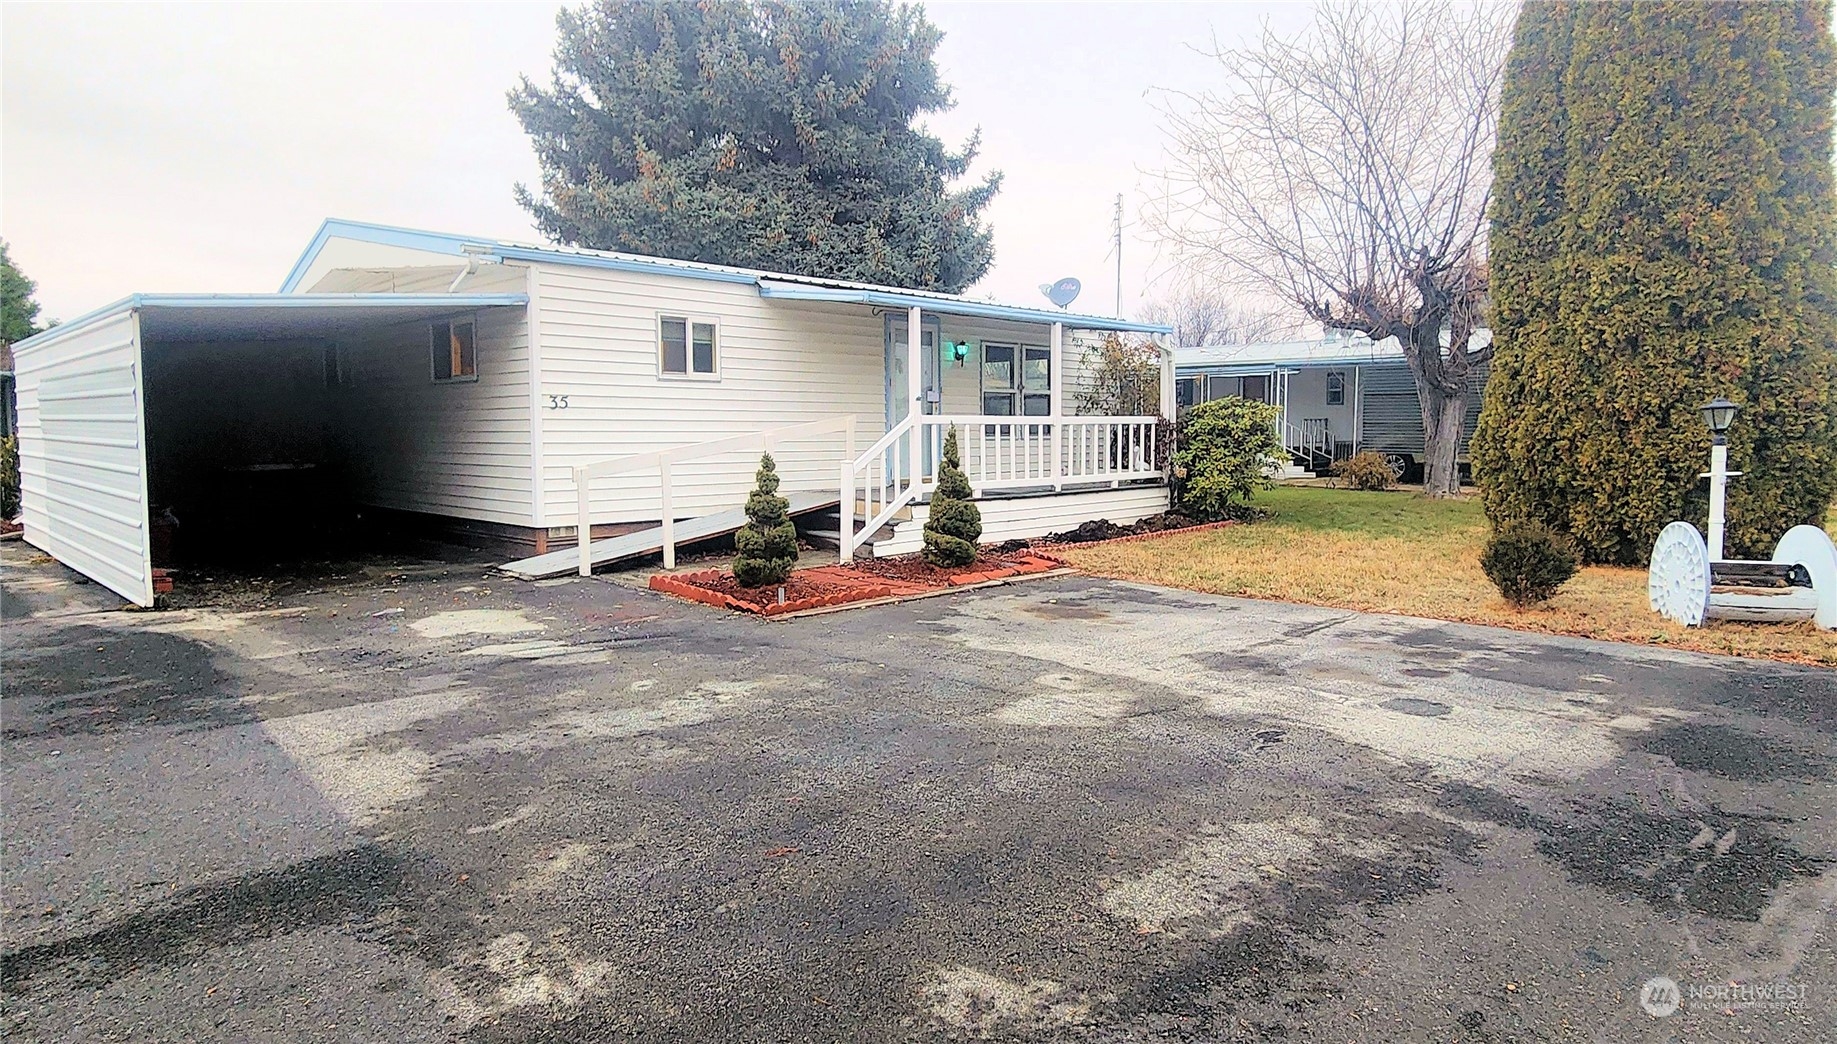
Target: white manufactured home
{"type": "Point", "coordinates": [488, 390]}
{"type": "Point", "coordinates": [1340, 394]}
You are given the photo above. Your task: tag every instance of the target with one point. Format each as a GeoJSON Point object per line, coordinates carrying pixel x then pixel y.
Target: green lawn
{"type": "Point", "coordinates": [1401, 552]}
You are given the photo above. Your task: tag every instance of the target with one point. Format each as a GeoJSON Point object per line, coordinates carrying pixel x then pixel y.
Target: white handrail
{"type": "Point", "coordinates": [662, 459]}
{"type": "Point", "coordinates": [999, 452]}
{"type": "Point", "coordinates": [884, 454]}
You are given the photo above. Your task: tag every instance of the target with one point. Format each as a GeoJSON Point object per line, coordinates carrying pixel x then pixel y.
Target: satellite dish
{"type": "Point", "coordinates": [1063, 292]}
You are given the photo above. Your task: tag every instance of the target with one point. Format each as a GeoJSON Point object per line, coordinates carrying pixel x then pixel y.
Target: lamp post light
{"type": "Point", "coordinates": [1718, 413]}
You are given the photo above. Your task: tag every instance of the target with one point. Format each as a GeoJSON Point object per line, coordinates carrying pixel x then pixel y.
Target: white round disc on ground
{"type": "Point", "coordinates": [1677, 583]}
{"type": "Point", "coordinates": [1811, 547]}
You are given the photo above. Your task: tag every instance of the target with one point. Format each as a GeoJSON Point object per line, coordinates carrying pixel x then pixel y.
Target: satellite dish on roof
{"type": "Point", "coordinates": [1063, 292]}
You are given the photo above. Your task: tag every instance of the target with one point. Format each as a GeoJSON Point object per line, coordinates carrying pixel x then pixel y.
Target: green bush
{"type": "Point", "coordinates": [9, 477]}
{"type": "Point", "coordinates": [1528, 561]}
{"type": "Point", "coordinates": [954, 524]}
{"type": "Point", "coordinates": [1227, 448]}
{"type": "Point", "coordinates": [1366, 470]}
{"type": "Point", "coordinates": [766, 547]}
{"type": "Point", "coordinates": [1663, 230]}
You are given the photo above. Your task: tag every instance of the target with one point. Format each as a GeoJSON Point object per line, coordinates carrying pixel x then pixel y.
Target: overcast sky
{"type": "Point", "coordinates": [196, 147]}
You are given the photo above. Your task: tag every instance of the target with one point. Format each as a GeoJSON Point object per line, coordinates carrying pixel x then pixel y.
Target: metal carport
{"type": "Point", "coordinates": [82, 399]}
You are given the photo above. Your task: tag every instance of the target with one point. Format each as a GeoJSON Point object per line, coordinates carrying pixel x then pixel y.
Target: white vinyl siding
{"type": "Point", "coordinates": [458, 448]}
{"type": "Point", "coordinates": [82, 447]}
{"type": "Point", "coordinates": [779, 363]}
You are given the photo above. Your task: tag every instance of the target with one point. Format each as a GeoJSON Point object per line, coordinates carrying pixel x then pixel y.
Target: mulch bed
{"type": "Point", "coordinates": [8, 527]}
{"type": "Point", "coordinates": [865, 580]}
{"type": "Point", "coordinates": [913, 569]}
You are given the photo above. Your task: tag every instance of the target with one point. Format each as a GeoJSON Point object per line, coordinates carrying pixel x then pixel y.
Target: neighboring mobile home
{"type": "Point", "coordinates": [455, 383]}
{"type": "Point", "coordinates": [1340, 394]}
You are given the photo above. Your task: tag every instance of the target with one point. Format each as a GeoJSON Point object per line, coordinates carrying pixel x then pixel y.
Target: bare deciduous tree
{"type": "Point", "coordinates": [1202, 314]}
{"type": "Point", "coordinates": [1347, 171]}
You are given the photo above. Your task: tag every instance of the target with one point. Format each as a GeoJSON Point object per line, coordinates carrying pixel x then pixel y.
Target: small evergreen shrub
{"type": "Point", "coordinates": [1228, 449]}
{"type": "Point", "coordinates": [954, 524]}
{"type": "Point", "coordinates": [1366, 470]}
{"type": "Point", "coordinates": [1528, 561]}
{"type": "Point", "coordinates": [9, 477]}
{"type": "Point", "coordinates": [766, 547]}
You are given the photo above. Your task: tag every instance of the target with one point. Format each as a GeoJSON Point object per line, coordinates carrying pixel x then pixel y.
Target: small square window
{"type": "Point", "coordinates": [1336, 388]}
{"type": "Point", "coordinates": [687, 347]}
{"type": "Point", "coordinates": [454, 345]}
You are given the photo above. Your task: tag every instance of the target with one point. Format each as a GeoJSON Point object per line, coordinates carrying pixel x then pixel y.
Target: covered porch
{"type": "Point", "coordinates": [1020, 389]}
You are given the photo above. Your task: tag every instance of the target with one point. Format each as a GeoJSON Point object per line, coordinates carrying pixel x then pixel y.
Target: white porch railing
{"type": "Point", "coordinates": [664, 460]}
{"type": "Point", "coordinates": [998, 453]}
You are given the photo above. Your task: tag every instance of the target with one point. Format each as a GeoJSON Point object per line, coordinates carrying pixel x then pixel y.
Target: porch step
{"type": "Point", "coordinates": [826, 526]}
{"type": "Point", "coordinates": [650, 541]}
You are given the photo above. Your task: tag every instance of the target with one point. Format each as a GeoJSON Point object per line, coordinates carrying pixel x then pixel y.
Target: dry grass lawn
{"type": "Point", "coordinates": [1404, 553]}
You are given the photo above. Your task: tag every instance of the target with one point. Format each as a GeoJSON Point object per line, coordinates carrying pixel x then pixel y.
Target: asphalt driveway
{"type": "Point", "coordinates": [445, 806]}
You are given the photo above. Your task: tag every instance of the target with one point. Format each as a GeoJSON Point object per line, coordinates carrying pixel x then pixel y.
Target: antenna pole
{"type": "Point", "coordinates": [1117, 231]}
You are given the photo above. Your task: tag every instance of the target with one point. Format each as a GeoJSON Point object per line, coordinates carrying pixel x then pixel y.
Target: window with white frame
{"type": "Point", "coordinates": [687, 346]}
{"type": "Point", "coordinates": [453, 345]}
{"type": "Point", "coordinates": [1016, 380]}
{"type": "Point", "coordinates": [1336, 388]}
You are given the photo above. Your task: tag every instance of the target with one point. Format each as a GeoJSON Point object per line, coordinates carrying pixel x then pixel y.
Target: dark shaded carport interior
{"type": "Point", "coordinates": [251, 439]}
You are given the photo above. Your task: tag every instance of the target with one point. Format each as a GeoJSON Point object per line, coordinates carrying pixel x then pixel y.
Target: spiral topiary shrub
{"type": "Point", "coordinates": [954, 524]}
{"type": "Point", "coordinates": [1528, 561]}
{"type": "Point", "coordinates": [766, 547]}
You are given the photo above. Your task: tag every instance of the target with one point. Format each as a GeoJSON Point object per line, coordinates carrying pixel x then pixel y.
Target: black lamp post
{"type": "Point", "coordinates": [1719, 413]}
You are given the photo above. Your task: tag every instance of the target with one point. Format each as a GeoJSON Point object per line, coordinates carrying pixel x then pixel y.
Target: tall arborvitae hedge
{"type": "Point", "coordinates": [1662, 233]}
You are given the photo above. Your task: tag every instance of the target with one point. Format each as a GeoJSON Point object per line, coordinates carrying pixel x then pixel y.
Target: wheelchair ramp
{"type": "Point", "coordinates": [650, 541]}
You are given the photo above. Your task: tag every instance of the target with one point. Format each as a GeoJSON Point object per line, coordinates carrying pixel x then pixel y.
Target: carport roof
{"type": "Point", "coordinates": [273, 316]}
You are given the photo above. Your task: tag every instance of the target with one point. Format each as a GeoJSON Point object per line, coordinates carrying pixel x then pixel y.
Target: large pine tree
{"type": "Point", "coordinates": [1663, 233]}
{"type": "Point", "coordinates": [762, 133]}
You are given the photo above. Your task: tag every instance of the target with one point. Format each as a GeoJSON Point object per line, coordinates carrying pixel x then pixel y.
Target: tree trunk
{"type": "Point", "coordinates": [1442, 416]}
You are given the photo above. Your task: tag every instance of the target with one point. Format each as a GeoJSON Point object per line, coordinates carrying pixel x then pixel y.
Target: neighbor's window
{"type": "Point", "coordinates": [686, 346]}
{"type": "Point", "coordinates": [1336, 388]}
{"type": "Point", "coordinates": [1186, 392]}
{"type": "Point", "coordinates": [455, 350]}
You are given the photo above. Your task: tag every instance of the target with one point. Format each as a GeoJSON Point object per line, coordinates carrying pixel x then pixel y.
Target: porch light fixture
{"type": "Point", "coordinates": [1719, 413]}
{"type": "Point", "coordinates": [959, 351]}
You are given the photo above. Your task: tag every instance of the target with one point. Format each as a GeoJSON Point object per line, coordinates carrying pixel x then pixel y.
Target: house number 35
{"type": "Point", "coordinates": [558, 402]}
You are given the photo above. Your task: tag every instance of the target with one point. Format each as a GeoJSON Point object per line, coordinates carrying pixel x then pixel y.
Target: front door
{"type": "Point", "coordinates": [899, 393]}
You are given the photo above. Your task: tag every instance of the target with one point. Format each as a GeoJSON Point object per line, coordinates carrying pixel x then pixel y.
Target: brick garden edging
{"type": "Point", "coordinates": [683, 585]}
{"type": "Point", "coordinates": [869, 588]}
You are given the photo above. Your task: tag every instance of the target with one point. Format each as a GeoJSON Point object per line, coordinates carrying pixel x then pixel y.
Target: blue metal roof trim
{"type": "Point", "coordinates": [325, 300]}
{"type": "Point", "coordinates": [956, 306]}
{"type": "Point", "coordinates": [805, 288]}
{"type": "Point", "coordinates": [1266, 365]}
{"type": "Point", "coordinates": [142, 301]}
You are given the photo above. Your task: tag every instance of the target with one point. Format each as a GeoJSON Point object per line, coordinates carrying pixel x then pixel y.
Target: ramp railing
{"type": "Point", "coordinates": [664, 460]}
